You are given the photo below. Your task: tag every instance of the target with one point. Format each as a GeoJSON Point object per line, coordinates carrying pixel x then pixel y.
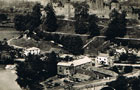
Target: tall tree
{"type": "Point", "coordinates": [81, 15]}
{"type": "Point", "coordinates": [120, 84]}
{"type": "Point", "coordinates": [29, 21]}
{"type": "Point", "coordinates": [31, 72]}
{"type": "Point", "coordinates": [93, 27]}
{"type": "Point", "coordinates": [35, 17]}
{"type": "Point", "coordinates": [117, 25]}
{"type": "Point", "coordinates": [52, 63]}
{"type": "Point", "coordinates": [81, 10]}
{"type": "Point", "coordinates": [35, 70]}
{"type": "Point", "coordinates": [72, 44]}
{"type": "Point", "coordinates": [19, 21]}
{"type": "Point", "coordinates": [134, 83]}
{"type": "Point", "coordinates": [50, 23]}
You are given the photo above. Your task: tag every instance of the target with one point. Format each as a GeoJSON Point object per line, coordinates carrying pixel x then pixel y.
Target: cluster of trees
{"type": "Point", "coordinates": [34, 70]}
{"type": "Point", "coordinates": [123, 83]}
{"type": "Point", "coordinates": [31, 21]}
{"type": "Point", "coordinates": [126, 69]}
{"type": "Point", "coordinates": [117, 25]}
{"type": "Point", "coordinates": [50, 22]}
{"type": "Point", "coordinates": [3, 17]}
{"type": "Point", "coordinates": [85, 23]}
{"type": "Point", "coordinates": [72, 44]}
{"type": "Point", "coordinates": [7, 53]}
{"type": "Point", "coordinates": [131, 58]}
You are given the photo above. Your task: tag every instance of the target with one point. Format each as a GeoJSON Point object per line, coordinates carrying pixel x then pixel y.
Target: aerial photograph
{"type": "Point", "coordinates": [69, 44]}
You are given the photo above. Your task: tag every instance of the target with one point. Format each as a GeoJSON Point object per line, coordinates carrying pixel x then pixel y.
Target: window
{"type": "Point", "coordinates": [66, 71]}
{"type": "Point", "coordinates": [66, 68]}
{"type": "Point", "coordinates": [60, 68]}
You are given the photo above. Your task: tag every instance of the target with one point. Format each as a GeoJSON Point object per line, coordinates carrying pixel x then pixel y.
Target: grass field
{"type": "Point", "coordinates": [8, 33]}
{"type": "Point", "coordinates": [43, 45]}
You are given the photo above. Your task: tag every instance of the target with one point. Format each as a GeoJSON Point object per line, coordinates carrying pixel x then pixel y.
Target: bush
{"type": "Point", "coordinates": [128, 69]}
{"type": "Point", "coordinates": [3, 17]}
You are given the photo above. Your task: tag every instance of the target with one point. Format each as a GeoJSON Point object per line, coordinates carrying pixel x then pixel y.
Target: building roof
{"type": "Point", "coordinates": [77, 62]}
{"type": "Point", "coordinates": [64, 55]}
{"type": "Point", "coordinates": [33, 48]}
{"type": "Point", "coordinates": [103, 55]}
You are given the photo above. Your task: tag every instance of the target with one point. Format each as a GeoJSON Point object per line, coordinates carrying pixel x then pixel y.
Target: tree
{"type": "Point", "coordinates": [50, 22]}
{"type": "Point", "coordinates": [123, 57]}
{"type": "Point", "coordinates": [128, 69]}
{"type": "Point", "coordinates": [20, 23]}
{"type": "Point", "coordinates": [93, 27]}
{"type": "Point", "coordinates": [120, 84]}
{"type": "Point", "coordinates": [81, 10]}
{"type": "Point", "coordinates": [52, 63]}
{"type": "Point", "coordinates": [31, 72]}
{"type": "Point", "coordinates": [34, 70]}
{"type": "Point", "coordinates": [107, 88]}
{"type": "Point", "coordinates": [117, 25]}
{"type": "Point", "coordinates": [81, 27]}
{"type": "Point", "coordinates": [134, 83]}
{"type": "Point", "coordinates": [3, 17]}
{"type": "Point", "coordinates": [29, 21]}
{"type": "Point", "coordinates": [73, 44]}
{"type": "Point", "coordinates": [81, 15]}
{"type": "Point", "coordinates": [115, 69]}
{"type": "Point", "coordinates": [35, 17]}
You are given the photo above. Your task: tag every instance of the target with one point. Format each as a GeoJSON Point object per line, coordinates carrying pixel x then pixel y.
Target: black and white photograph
{"type": "Point", "coordinates": [69, 44]}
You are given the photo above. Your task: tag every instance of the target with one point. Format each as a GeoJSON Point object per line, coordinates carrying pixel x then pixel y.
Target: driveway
{"type": "Point", "coordinates": [7, 80]}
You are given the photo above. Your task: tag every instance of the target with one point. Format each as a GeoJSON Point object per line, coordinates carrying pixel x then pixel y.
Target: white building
{"type": "Point", "coordinates": [104, 59]}
{"type": "Point", "coordinates": [121, 50]}
{"type": "Point", "coordinates": [68, 68]}
{"type": "Point", "coordinates": [32, 50]}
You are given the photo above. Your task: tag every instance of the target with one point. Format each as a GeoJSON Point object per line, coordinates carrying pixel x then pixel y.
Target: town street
{"type": "Point", "coordinates": [7, 80]}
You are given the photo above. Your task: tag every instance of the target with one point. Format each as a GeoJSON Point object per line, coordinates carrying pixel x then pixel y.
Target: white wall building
{"type": "Point", "coordinates": [121, 50]}
{"type": "Point", "coordinates": [104, 59]}
{"type": "Point", "coordinates": [32, 50]}
{"type": "Point", "coordinates": [67, 68]}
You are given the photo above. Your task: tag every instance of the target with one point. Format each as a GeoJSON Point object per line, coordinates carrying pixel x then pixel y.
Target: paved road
{"type": "Point", "coordinates": [7, 80]}
{"type": "Point", "coordinates": [133, 65]}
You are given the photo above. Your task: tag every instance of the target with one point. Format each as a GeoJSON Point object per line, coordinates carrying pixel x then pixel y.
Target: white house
{"type": "Point", "coordinates": [133, 51]}
{"type": "Point", "coordinates": [32, 50]}
{"type": "Point", "coordinates": [69, 67]}
{"type": "Point", "coordinates": [121, 50]}
{"type": "Point", "coordinates": [104, 59]}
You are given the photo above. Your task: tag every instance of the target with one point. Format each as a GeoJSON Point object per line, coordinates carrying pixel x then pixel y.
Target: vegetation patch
{"type": "Point", "coordinates": [43, 45]}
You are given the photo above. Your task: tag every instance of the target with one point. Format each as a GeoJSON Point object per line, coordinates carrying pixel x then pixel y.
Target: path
{"type": "Point", "coordinates": [7, 80]}
{"type": "Point", "coordinates": [133, 65]}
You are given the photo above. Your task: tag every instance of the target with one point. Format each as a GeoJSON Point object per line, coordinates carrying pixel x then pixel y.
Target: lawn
{"type": "Point", "coordinates": [8, 33]}
{"type": "Point", "coordinates": [43, 45]}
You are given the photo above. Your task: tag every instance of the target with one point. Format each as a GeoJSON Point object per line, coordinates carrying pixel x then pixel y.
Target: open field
{"type": "Point", "coordinates": [8, 33]}
{"type": "Point", "coordinates": [27, 43]}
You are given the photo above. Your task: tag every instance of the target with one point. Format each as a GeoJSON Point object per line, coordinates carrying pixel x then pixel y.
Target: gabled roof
{"type": "Point", "coordinates": [33, 48]}
{"type": "Point", "coordinates": [77, 62]}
